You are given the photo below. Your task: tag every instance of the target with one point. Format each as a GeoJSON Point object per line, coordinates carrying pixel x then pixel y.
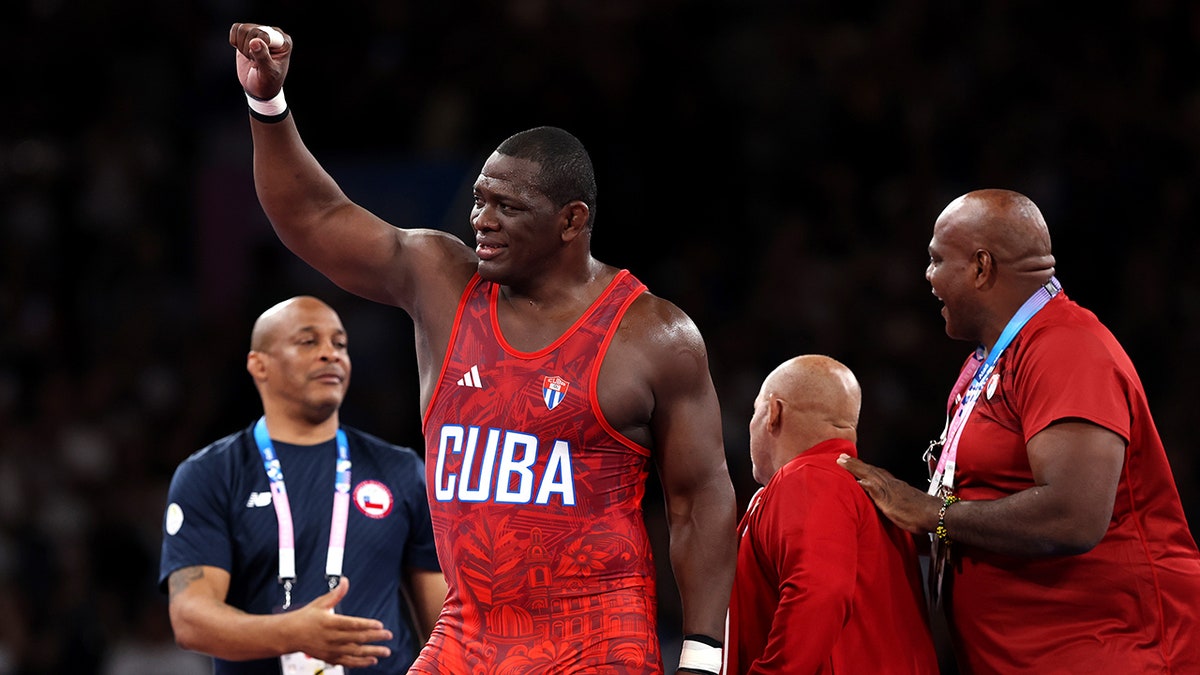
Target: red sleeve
{"type": "Point", "coordinates": [1068, 371]}
{"type": "Point", "coordinates": [813, 524]}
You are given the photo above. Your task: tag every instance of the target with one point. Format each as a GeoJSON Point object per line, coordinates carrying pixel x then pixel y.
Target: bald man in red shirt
{"type": "Point", "coordinates": [823, 583]}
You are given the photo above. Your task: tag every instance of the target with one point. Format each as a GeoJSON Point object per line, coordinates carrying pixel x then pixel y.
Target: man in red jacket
{"type": "Point", "coordinates": [823, 583]}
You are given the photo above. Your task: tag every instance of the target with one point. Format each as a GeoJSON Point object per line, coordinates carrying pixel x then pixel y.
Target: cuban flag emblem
{"type": "Point", "coordinates": [554, 389]}
{"type": "Point", "coordinates": [373, 499]}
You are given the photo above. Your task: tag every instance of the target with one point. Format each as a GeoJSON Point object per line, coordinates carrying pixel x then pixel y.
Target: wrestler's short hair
{"type": "Point", "coordinates": [566, 173]}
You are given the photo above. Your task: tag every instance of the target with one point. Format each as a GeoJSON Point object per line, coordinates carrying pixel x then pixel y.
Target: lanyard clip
{"type": "Point", "coordinates": [287, 591]}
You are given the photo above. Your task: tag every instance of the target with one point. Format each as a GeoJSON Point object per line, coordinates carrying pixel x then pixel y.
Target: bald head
{"type": "Point", "coordinates": [1008, 224]}
{"type": "Point", "coordinates": [300, 361]}
{"type": "Point", "coordinates": [804, 401]}
{"type": "Point", "coordinates": [989, 252]}
{"type": "Point", "coordinates": [281, 319]}
{"type": "Point", "coordinates": [822, 389]}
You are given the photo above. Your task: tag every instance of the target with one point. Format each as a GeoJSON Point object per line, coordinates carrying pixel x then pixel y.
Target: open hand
{"type": "Point", "coordinates": [335, 638]}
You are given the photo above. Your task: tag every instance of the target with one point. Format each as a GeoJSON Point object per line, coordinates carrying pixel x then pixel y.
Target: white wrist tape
{"type": "Point", "coordinates": [272, 107]}
{"type": "Point", "coordinates": [274, 38]}
{"type": "Point", "coordinates": [700, 656]}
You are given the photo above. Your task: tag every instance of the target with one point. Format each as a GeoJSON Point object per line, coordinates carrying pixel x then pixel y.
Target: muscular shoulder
{"type": "Point", "coordinates": [656, 369]}
{"type": "Point", "coordinates": [663, 331]}
{"type": "Point", "coordinates": [433, 271]}
{"type": "Point", "coordinates": [448, 247]}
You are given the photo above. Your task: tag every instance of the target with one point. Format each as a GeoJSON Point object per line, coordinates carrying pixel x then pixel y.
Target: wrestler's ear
{"type": "Point", "coordinates": [573, 219]}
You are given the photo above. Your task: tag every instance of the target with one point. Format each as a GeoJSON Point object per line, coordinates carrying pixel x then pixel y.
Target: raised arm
{"type": "Point", "coordinates": [204, 622]}
{"type": "Point", "coordinates": [316, 220]}
{"type": "Point", "coordinates": [690, 455]}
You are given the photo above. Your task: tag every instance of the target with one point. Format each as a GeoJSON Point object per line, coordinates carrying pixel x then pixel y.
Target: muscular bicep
{"type": "Point", "coordinates": [690, 456]}
{"type": "Point", "coordinates": [686, 422]}
{"type": "Point", "coordinates": [347, 243]}
{"type": "Point", "coordinates": [356, 250]}
{"type": "Point", "coordinates": [422, 272]}
{"type": "Point", "coordinates": [1080, 464]}
{"type": "Point", "coordinates": [410, 269]}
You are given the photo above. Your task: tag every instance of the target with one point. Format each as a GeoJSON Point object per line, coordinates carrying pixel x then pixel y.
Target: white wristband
{"type": "Point", "coordinates": [268, 109]}
{"type": "Point", "coordinates": [699, 656]}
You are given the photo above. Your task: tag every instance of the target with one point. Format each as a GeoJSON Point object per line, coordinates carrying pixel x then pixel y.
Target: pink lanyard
{"type": "Point", "coordinates": [943, 477]}
{"type": "Point", "coordinates": [283, 511]}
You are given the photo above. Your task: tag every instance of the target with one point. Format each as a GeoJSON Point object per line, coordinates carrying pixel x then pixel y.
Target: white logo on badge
{"type": "Point", "coordinates": [992, 385]}
{"type": "Point", "coordinates": [174, 518]}
{"type": "Point", "coordinates": [257, 499]}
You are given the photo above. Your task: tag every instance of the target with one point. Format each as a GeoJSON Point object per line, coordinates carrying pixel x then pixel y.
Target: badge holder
{"type": "Point", "coordinates": [299, 663]}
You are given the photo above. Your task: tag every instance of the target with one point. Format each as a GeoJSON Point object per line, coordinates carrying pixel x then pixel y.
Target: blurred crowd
{"type": "Point", "coordinates": [774, 168]}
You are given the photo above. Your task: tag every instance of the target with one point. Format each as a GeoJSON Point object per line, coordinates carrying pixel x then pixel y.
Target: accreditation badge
{"type": "Point", "coordinates": [299, 663]}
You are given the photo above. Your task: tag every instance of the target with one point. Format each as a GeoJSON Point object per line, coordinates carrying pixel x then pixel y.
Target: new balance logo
{"type": "Point", "coordinates": [471, 379]}
{"type": "Point", "coordinates": [258, 499]}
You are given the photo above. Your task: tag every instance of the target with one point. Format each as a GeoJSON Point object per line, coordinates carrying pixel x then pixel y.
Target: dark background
{"type": "Point", "coordinates": [773, 168]}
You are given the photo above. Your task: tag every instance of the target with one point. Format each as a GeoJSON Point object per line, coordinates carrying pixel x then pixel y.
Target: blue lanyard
{"type": "Point", "coordinates": [943, 477]}
{"type": "Point", "coordinates": [283, 510]}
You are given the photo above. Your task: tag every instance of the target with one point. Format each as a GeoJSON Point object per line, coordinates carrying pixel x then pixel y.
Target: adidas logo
{"type": "Point", "coordinates": [471, 379]}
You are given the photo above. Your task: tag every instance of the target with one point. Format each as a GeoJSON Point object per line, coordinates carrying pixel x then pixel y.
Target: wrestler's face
{"type": "Point", "coordinates": [951, 273]}
{"type": "Point", "coordinates": [518, 229]}
{"type": "Point", "coordinates": [307, 365]}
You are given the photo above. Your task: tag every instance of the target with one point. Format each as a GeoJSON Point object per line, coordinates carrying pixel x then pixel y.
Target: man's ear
{"type": "Point", "coordinates": [256, 366]}
{"type": "Point", "coordinates": [575, 217]}
{"type": "Point", "coordinates": [985, 269]}
{"type": "Point", "coordinates": [775, 414]}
